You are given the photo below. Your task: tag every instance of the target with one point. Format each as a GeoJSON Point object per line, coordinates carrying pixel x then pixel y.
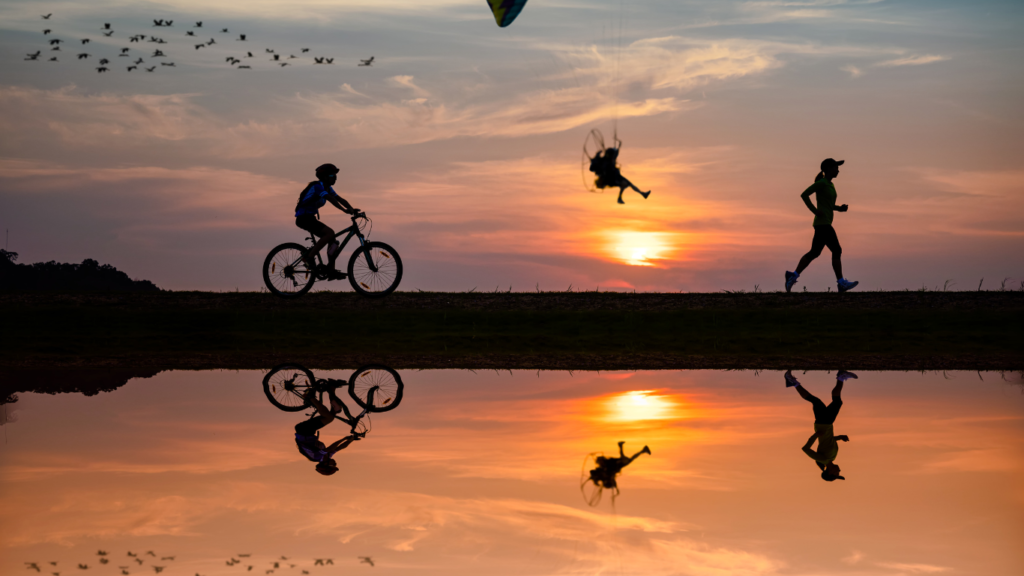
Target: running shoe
{"type": "Point", "coordinates": [843, 376]}
{"type": "Point", "coordinates": [790, 280]}
{"type": "Point", "coordinates": [791, 380]}
{"type": "Point", "coordinates": [845, 284]}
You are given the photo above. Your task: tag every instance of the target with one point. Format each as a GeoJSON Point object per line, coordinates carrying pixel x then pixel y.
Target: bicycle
{"type": "Point", "coordinates": [374, 269]}
{"type": "Point", "coordinates": [286, 387]}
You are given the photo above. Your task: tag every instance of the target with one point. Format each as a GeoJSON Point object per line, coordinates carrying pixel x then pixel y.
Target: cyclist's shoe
{"type": "Point", "coordinates": [843, 376]}
{"type": "Point", "coordinates": [791, 380]}
{"type": "Point", "coordinates": [845, 284]}
{"type": "Point", "coordinates": [335, 274]}
{"type": "Point", "coordinates": [791, 278]}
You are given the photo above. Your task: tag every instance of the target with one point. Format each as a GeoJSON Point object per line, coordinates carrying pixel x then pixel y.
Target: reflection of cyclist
{"type": "Point", "coordinates": [608, 175]}
{"type": "Point", "coordinates": [307, 434]}
{"type": "Point", "coordinates": [824, 417]}
{"type": "Point", "coordinates": [307, 214]}
{"type": "Point", "coordinates": [608, 468]}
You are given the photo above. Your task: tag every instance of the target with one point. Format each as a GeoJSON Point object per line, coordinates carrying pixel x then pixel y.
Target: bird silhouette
{"type": "Point", "coordinates": [269, 51]}
{"type": "Point", "coordinates": [305, 571]}
{"type": "Point", "coordinates": [246, 67]}
{"type": "Point", "coordinates": [47, 16]}
{"type": "Point", "coordinates": [47, 31]}
{"type": "Point", "coordinates": [248, 54]}
{"type": "Point", "coordinates": [317, 60]}
{"type": "Point", "coordinates": [244, 555]}
{"type": "Point", "coordinates": [132, 554]}
{"type": "Point", "coordinates": [171, 558]}
{"type": "Point", "coordinates": [104, 561]}
{"type": "Point", "coordinates": [270, 572]}
{"type": "Point", "coordinates": [198, 25]}
{"type": "Point", "coordinates": [124, 51]}
{"type": "Point", "coordinates": [150, 553]}
{"type": "Point", "coordinates": [167, 64]}
{"type": "Point", "coordinates": [55, 48]}
{"type": "Point", "coordinates": [189, 33]}
{"type": "Point", "coordinates": [248, 568]}
{"type": "Point", "coordinates": [159, 569]}
{"type": "Point", "coordinates": [55, 573]}
{"type": "Point", "coordinates": [366, 560]}
{"type": "Point", "coordinates": [83, 566]}
{"type": "Point", "coordinates": [81, 56]}
{"type": "Point", "coordinates": [330, 60]}
{"type": "Point", "coordinates": [139, 560]}
{"type": "Point", "coordinates": [32, 566]}
{"type": "Point", "coordinates": [283, 64]}
{"type": "Point", "coordinates": [212, 41]}
{"type": "Point", "coordinates": [130, 68]}
{"type": "Point", "coordinates": [55, 41]}
{"type": "Point", "coordinates": [304, 50]}
{"type": "Point", "coordinates": [104, 61]}
{"type": "Point", "coordinates": [290, 56]}
{"type": "Point", "coordinates": [106, 25]}
{"type": "Point", "coordinates": [169, 23]}
{"type": "Point", "coordinates": [108, 34]}
{"type": "Point", "coordinates": [224, 30]}
{"type": "Point", "coordinates": [158, 22]}
{"type": "Point", "coordinates": [137, 62]}
{"type": "Point", "coordinates": [124, 573]}
{"type": "Point", "coordinates": [33, 56]}
{"type": "Point", "coordinates": [198, 46]}
{"type": "Point", "coordinates": [276, 57]}
{"type": "Point", "coordinates": [53, 563]}
{"type": "Point", "coordinates": [284, 557]}
{"type": "Point", "coordinates": [85, 40]}
{"type": "Point", "coordinates": [367, 62]}
{"type": "Point", "coordinates": [157, 54]}
{"type": "Point", "coordinates": [276, 565]}
{"type": "Point", "coordinates": [134, 39]}
{"type": "Point", "coordinates": [241, 37]}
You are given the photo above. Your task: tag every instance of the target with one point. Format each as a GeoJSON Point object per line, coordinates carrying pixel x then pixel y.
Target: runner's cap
{"type": "Point", "coordinates": [326, 169]}
{"type": "Point", "coordinates": [831, 162]}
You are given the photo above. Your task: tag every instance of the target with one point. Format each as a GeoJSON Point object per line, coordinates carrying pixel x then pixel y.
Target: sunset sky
{"type": "Point", "coordinates": [478, 473]}
{"type": "Point", "coordinates": [463, 140]}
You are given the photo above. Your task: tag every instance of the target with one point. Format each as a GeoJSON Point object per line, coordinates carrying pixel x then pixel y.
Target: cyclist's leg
{"type": "Point", "coordinates": [321, 231]}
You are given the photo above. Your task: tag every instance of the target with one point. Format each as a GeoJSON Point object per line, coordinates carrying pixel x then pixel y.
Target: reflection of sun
{"type": "Point", "coordinates": [639, 248]}
{"type": "Point", "coordinates": [640, 405]}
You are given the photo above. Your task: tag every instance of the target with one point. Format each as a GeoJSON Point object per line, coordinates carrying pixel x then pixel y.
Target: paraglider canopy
{"type": "Point", "coordinates": [505, 11]}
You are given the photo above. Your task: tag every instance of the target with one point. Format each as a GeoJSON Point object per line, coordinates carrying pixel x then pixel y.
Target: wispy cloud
{"type": "Point", "coordinates": [914, 568]}
{"type": "Point", "coordinates": [913, 60]}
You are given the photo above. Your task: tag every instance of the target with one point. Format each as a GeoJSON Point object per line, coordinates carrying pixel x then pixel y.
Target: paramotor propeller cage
{"type": "Point", "coordinates": [592, 144]}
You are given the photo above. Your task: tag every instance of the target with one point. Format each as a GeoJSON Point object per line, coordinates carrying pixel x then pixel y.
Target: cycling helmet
{"type": "Point", "coordinates": [326, 170]}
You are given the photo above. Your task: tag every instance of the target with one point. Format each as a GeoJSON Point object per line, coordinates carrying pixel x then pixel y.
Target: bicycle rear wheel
{"type": "Point", "coordinates": [365, 280]}
{"type": "Point", "coordinates": [284, 272]}
{"type": "Point", "coordinates": [389, 386]}
{"type": "Point", "coordinates": [286, 386]}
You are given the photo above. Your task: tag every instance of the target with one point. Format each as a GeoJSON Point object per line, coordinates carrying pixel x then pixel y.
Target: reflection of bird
{"type": "Point", "coordinates": [366, 560]}
{"type": "Point", "coordinates": [367, 62]}
{"type": "Point", "coordinates": [159, 569]}
{"type": "Point", "coordinates": [32, 566]}
{"type": "Point", "coordinates": [168, 557]}
{"type": "Point", "coordinates": [55, 48]}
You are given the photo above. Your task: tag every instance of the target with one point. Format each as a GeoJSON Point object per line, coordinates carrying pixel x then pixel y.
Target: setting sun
{"type": "Point", "coordinates": [640, 248]}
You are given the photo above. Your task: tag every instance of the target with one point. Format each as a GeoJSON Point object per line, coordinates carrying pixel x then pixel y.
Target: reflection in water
{"type": "Point", "coordinates": [824, 417]}
{"type": "Point", "coordinates": [479, 473]}
{"type": "Point", "coordinates": [291, 387]}
{"type": "Point", "coordinates": [603, 476]}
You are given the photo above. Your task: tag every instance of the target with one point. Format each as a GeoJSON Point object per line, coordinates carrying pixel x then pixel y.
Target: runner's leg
{"type": "Point", "coordinates": [832, 241]}
{"type": "Point", "coordinates": [817, 245]}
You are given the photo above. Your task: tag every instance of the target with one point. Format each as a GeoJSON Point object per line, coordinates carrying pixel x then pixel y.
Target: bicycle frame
{"type": "Point", "coordinates": [351, 231]}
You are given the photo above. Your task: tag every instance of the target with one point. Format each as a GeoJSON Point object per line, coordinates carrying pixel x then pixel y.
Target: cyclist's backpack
{"type": "Point", "coordinates": [302, 194]}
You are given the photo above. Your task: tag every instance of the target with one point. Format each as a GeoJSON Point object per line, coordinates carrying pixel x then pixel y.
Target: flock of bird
{"type": "Point", "coordinates": [280, 563]}
{"type": "Point", "coordinates": [158, 59]}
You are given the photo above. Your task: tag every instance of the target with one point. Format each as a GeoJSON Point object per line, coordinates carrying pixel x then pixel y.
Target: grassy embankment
{"type": "Point", "coordinates": [891, 330]}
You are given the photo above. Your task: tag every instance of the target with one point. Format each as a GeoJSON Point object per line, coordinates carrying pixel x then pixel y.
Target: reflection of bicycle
{"type": "Point", "coordinates": [374, 269]}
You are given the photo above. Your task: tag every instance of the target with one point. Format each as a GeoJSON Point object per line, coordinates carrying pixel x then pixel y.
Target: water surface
{"type": "Point", "coordinates": [480, 472]}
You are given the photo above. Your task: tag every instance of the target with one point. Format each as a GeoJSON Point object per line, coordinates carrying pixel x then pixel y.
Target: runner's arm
{"type": "Point", "coordinates": [806, 197]}
{"type": "Point", "coordinates": [807, 447]}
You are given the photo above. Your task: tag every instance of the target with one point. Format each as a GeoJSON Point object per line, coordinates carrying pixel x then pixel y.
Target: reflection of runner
{"type": "Point", "coordinates": [608, 468]}
{"type": "Point", "coordinates": [307, 434]}
{"type": "Point", "coordinates": [824, 417]}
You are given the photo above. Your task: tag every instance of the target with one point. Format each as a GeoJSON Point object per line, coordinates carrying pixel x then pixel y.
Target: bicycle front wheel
{"type": "Point", "coordinates": [380, 279]}
{"type": "Point", "coordinates": [286, 386]}
{"type": "Point", "coordinates": [284, 272]}
{"type": "Point", "coordinates": [386, 384]}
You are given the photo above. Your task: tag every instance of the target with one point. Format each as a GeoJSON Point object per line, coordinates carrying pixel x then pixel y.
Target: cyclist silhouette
{"type": "Point", "coordinates": [307, 434]}
{"type": "Point", "coordinates": [824, 417]}
{"type": "Point", "coordinates": [608, 175]}
{"type": "Point", "coordinates": [307, 215]}
{"type": "Point", "coordinates": [608, 468]}
{"type": "Point", "coordinates": [824, 233]}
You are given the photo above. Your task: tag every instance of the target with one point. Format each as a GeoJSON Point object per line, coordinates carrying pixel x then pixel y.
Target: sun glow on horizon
{"type": "Point", "coordinates": [640, 405]}
{"type": "Point", "coordinates": [640, 248]}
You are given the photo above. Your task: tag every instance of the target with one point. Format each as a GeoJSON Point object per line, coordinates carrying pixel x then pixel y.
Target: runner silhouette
{"type": "Point", "coordinates": [824, 233]}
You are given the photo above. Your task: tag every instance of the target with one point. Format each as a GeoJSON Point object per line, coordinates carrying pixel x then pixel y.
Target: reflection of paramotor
{"type": "Point", "coordinates": [591, 491]}
{"type": "Point", "coordinates": [593, 144]}
{"type": "Point", "coordinates": [505, 11]}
